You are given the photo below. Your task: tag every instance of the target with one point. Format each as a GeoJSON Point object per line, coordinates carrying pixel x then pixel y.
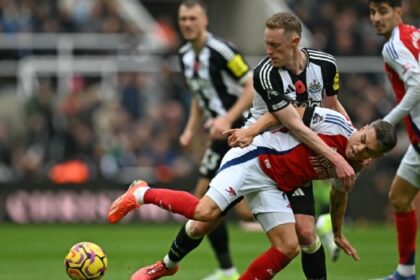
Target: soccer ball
{"type": "Point", "coordinates": [85, 260]}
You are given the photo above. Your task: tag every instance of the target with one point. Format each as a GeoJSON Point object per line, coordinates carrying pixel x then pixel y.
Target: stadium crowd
{"type": "Point", "coordinates": [136, 133]}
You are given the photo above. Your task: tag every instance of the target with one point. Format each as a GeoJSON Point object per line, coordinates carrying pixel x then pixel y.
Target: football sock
{"type": "Point", "coordinates": [179, 202]}
{"type": "Point", "coordinates": [406, 224]}
{"type": "Point", "coordinates": [266, 265]}
{"type": "Point", "coordinates": [181, 246]}
{"type": "Point", "coordinates": [219, 241]}
{"type": "Point", "coordinates": [313, 261]}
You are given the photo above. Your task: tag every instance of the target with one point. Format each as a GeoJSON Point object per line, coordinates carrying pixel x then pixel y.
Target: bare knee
{"type": "Point", "coordinates": [197, 229]}
{"type": "Point", "coordinates": [306, 232]}
{"type": "Point", "coordinates": [206, 210]}
{"type": "Point", "coordinates": [399, 202]}
{"type": "Point", "coordinates": [290, 249]}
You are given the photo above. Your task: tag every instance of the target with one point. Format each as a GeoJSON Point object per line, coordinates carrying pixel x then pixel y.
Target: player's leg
{"type": "Point", "coordinates": [277, 220]}
{"type": "Point", "coordinates": [404, 188]}
{"type": "Point", "coordinates": [218, 237]}
{"type": "Point", "coordinates": [179, 202]}
{"type": "Point", "coordinates": [188, 238]}
{"type": "Point", "coordinates": [312, 251]}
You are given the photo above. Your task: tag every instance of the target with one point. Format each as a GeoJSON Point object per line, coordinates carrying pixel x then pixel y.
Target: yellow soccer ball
{"type": "Point", "coordinates": [85, 260]}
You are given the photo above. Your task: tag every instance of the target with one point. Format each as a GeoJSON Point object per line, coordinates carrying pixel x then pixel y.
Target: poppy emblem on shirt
{"type": "Point", "coordinates": [300, 87]}
{"type": "Point", "coordinates": [231, 191]}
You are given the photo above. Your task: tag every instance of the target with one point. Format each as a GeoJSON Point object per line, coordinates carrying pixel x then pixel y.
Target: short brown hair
{"type": "Point", "coordinates": [386, 135]}
{"type": "Point", "coordinates": [286, 21]}
{"type": "Point", "coordinates": [190, 3]}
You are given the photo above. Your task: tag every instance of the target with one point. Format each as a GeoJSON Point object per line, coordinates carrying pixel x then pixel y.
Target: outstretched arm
{"type": "Point", "coordinates": [338, 205]}
{"type": "Point", "coordinates": [242, 137]}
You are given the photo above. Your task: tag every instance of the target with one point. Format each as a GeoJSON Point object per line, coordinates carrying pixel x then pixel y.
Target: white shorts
{"type": "Point", "coordinates": [241, 175]}
{"type": "Point", "coordinates": [409, 168]}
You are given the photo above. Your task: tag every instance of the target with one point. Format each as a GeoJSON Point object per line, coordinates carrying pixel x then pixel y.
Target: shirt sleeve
{"type": "Point", "coordinates": [267, 83]}
{"type": "Point", "coordinates": [332, 78]}
{"type": "Point", "coordinates": [399, 58]}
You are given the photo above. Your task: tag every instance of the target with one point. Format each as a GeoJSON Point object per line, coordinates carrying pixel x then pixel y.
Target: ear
{"type": "Point", "coordinates": [295, 40]}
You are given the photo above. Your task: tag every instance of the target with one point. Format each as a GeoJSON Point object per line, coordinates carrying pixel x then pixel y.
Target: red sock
{"type": "Point", "coordinates": [406, 234]}
{"type": "Point", "coordinates": [266, 265]}
{"type": "Point", "coordinates": [178, 202]}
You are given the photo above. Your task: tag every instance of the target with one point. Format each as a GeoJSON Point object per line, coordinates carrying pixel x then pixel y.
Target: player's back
{"type": "Point", "coordinates": [290, 163]}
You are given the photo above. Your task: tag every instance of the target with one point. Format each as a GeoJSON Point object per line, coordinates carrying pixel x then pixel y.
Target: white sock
{"type": "Point", "coordinates": [168, 263]}
{"type": "Point", "coordinates": [229, 271]}
{"type": "Point", "coordinates": [139, 194]}
{"type": "Point", "coordinates": [406, 270]}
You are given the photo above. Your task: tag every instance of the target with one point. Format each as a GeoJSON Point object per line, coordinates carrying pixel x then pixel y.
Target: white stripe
{"type": "Point", "coordinates": [262, 76]}
{"type": "Point", "coordinates": [324, 59]}
{"type": "Point", "coordinates": [320, 53]}
{"type": "Point", "coordinates": [221, 48]}
{"type": "Point", "coordinates": [266, 75]}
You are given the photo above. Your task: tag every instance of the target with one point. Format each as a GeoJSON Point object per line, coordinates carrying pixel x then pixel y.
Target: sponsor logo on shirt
{"type": "Point", "coordinates": [415, 36]}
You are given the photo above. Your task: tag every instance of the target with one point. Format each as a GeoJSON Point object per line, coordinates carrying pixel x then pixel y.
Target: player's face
{"type": "Point", "coordinates": [192, 22]}
{"type": "Point", "coordinates": [384, 17]}
{"type": "Point", "coordinates": [363, 145]}
{"type": "Point", "coordinates": [279, 46]}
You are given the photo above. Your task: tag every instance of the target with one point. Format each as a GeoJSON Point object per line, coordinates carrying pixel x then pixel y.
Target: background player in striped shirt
{"type": "Point", "coordinates": [401, 54]}
{"type": "Point", "coordinates": [221, 84]}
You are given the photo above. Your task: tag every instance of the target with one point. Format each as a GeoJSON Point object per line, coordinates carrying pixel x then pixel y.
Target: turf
{"type": "Point", "coordinates": [37, 251]}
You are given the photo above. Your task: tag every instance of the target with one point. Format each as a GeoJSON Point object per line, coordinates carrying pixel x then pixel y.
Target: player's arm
{"type": "Point", "coordinates": [338, 206]}
{"type": "Point", "coordinates": [239, 70]}
{"type": "Point", "coordinates": [292, 120]}
{"type": "Point", "coordinates": [332, 88]}
{"type": "Point", "coordinates": [194, 120]}
{"type": "Point", "coordinates": [243, 103]}
{"type": "Point", "coordinates": [404, 63]}
{"type": "Point", "coordinates": [333, 103]}
{"type": "Point", "coordinates": [243, 137]}
{"type": "Point", "coordinates": [267, 83]}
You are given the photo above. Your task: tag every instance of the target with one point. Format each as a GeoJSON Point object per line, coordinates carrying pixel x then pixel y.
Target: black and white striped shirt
{"type": "Point", "coordinates": [277, 87]}
{"type": "Point", "coordinates": [215, 75]}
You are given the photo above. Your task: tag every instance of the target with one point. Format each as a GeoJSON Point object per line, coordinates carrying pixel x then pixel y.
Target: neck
{"type": "Point", "coordinates": [199, 42]}
{"type": "Point", "coordinates": [298, 63]}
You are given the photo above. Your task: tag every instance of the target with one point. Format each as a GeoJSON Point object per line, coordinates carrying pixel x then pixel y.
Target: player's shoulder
{"type": "Point", "coordinates": [223, 47]}
{"type": "Point", "coordinates": [319, 56]}
{"type": "Point", "coordinates": [264, 65]}
{"type": "Point", "coordinates": [333, 120]}
{"type": "Point", "coordinates": [262, 71]}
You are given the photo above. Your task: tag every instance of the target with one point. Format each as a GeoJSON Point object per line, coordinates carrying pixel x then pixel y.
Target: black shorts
{"type": "Point", "coordinates": [214, 154]}
{"type": "Point", "coordinates": [302, 200]}
{"type": "Point", "coordinates": [212, 158]}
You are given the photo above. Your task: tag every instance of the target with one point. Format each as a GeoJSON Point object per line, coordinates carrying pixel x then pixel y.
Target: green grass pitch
{"type": "Point", "coordinates": [37, 251]}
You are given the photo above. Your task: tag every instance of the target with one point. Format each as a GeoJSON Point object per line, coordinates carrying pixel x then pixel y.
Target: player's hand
{"type": "Point", "coordinates": [186, 138]}
{"type": "Point", "coordinates": [217, 126]}
{"type": "Point", "coordinates": [345, 245]}
{"type": "Point", "coordinates": [345, 173]}
{"type": "Point", "coordinates": [239, 137]}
